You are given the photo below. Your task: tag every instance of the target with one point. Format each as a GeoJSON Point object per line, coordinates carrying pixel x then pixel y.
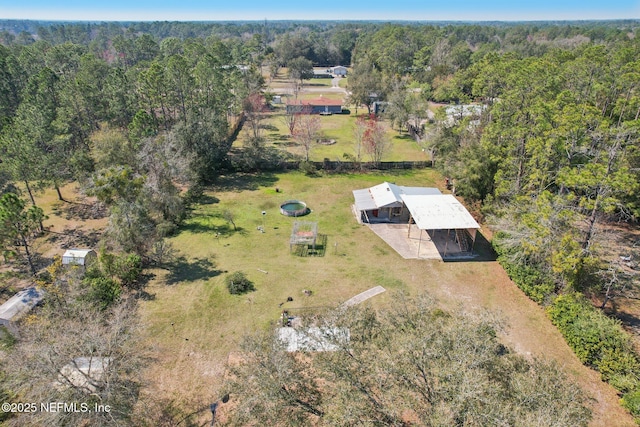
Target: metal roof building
{"type": "Point", "coordinates": [439, 212]}
{"type": "Point", "coordinates": [428, 208]}
{"type": "Point", "coordinates": [78, 256]}
{"type": "Point", "coordinates": [313, 338]}
{"type": "Point", "coordinates": [19, 305]}
{"type": "Point", "coordinates": [384, 203]}
{"type": "Point", "coordinates": [84, 373]}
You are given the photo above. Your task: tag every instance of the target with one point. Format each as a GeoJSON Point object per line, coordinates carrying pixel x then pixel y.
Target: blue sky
{"type": "Point", "coordinates": [414, 10]}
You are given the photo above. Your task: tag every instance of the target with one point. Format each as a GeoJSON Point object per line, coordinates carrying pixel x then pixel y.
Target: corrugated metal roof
{"type": "Point", "coordinates": [439, 212]}
{"type": "Point", "coordinates": [364, 201]}
{"type": "Point", "coordinates": [313, 338]}
{"type": "Point", "coordinates": [419, 191]}
{"type": "Point", "coordinates": [84, 373]}
{"type": "Point", "coordinates": [20, 303]}
{"type": "Point", "coordinates": [75, 256]}
{"type": "Point", "coordinates": [387, 195]}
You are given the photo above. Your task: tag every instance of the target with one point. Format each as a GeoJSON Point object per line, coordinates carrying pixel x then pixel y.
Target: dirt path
{"type": "Point", "coordinates": [485, 285]}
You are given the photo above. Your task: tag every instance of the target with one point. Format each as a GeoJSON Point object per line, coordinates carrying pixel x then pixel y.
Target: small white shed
{"type": "Point", "coordinates": [82, 257]}
{"type": "Point", "coordinates": [19, 305]}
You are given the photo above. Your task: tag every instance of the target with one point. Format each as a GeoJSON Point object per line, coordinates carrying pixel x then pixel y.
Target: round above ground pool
{"type": "Point", "coordinates": [294, 208]}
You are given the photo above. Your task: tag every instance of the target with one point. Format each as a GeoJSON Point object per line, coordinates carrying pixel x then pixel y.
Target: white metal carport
{"type": "Point", "coordinates": [439, 212]}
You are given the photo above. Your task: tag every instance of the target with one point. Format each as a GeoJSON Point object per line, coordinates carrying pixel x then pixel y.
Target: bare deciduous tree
{"type": "Point", "coordinates": [306, 132]}
{"type": "Point", "coordinates": [374, 140]}
{"type": "Point", "coordinates": [254, 106]}
{"type": "Point", "coordinates": [413, 363]}
{"type": "Point", "coordinates": [290, 119]}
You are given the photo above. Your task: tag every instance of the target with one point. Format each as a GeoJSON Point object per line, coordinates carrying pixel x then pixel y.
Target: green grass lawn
{"type": "Point", "coordinates": [318, 83]}
{"type": "Point", "coordinates": [193, 325]}
{"type": "Point", "coordinates": [193, 296]}
{"type": "Point", "coordinates": [338, 127]}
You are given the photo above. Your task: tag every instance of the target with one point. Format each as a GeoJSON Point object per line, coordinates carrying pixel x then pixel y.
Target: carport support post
{"type": "Point", "coordinates": [446, 242]}
{"type": "Point", "coordinates": [409, 224]}
{"type": "Point", "coordinates": [419, 242]}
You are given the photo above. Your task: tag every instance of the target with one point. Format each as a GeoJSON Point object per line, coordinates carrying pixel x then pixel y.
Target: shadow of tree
{"type": "Point", "coordinates": [404, 137]}
{"type": "Point", "coordinates": [143, 281]}
{"type": "Point", "coordinates": [245, 181]}
{"type": "Point", "coordinates": [276, 138]}
{"type": "Point", "coordinates": [83, 211]}
{"type": "Point", "coordinates": [145, 278]}
{"type": "Point", "coordinates": [145, 296]}
{"type": "Point", "coordinates": [207, 199]}
{"type": "Point", "coordinates": [201, 225]}
{"type": "Point", "coordinates": [197, 226]}
{"type": "Point", "coordinates": [630, 321]}
{"type": "Point", "coordinates": [183, 270]}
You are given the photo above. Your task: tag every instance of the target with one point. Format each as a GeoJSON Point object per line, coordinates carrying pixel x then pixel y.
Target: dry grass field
{"type": "Point", "coordinates": [193, 324]}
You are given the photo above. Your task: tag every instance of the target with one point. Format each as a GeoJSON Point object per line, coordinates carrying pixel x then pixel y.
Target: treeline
{"type": "Point", "coordinates": [324, 43]}
{"type": "Point", "coordinates": [404, 47]}
{"type": "Point", "coordinates": [141, 116]}
{"type": "Point", "coordinates": [553, 156]}
{"type": "Point", "coordinates": [134, 126]}
{"type": "Point", "coordinates": [412, 364]}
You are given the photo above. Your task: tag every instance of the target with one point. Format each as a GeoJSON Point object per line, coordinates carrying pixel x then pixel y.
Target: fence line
{"type": "Point", "coordinates": [336, 165]}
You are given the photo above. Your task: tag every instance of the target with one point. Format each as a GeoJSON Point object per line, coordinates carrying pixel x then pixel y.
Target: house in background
{"type": "Point", "coordinates": [338, 71]}
{"type": "Point", "coordinates": [456, 113]}
{"type": "Point", "coordinates": [320, 105]}
{"type": "Point", "coordinates": [80, 257]}
{"type": "Point", "coordinates": [322, 73]}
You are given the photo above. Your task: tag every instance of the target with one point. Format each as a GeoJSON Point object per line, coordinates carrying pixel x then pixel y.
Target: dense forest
{"type": "Point", "coordinates": [143, 117]}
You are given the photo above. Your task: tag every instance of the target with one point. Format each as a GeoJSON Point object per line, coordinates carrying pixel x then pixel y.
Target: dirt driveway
{"type": "Point", "coordinates": [485, 286]}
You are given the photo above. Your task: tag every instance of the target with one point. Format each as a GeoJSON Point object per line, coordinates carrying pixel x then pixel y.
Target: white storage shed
{"type": "Point", "coordinates": [81, 257]}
